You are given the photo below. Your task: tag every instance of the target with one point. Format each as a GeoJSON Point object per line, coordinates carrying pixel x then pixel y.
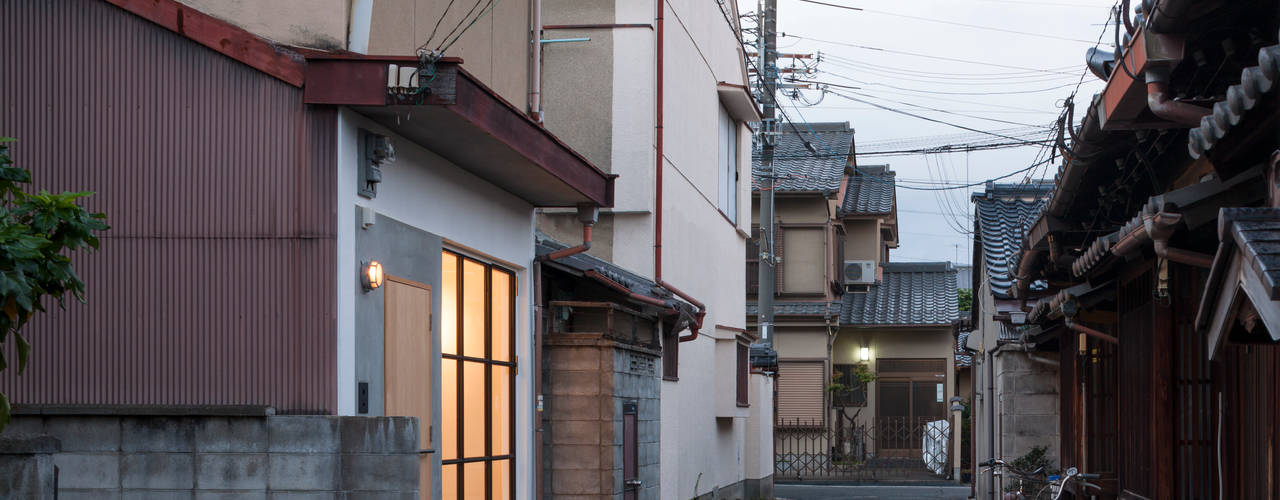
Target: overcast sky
{"type": "Point", "coordinates": [1004, 88]}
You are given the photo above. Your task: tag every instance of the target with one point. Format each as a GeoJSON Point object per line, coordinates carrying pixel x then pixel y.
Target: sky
{"type": "Point", "coordinates": [1009, 83]}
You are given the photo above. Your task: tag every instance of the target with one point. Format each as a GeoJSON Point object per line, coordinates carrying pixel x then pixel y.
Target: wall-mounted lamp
{"type": "Point", "coordinates": [864, 353]}
{"type": "Point", "coordinates": [371, 275]}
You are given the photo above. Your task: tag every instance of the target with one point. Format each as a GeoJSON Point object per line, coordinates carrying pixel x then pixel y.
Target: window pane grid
{"type": "Point", "coordinates": [480, 462]}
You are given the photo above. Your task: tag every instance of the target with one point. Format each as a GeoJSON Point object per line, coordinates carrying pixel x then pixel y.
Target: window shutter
{"type": "Point", "coordinates": [800, 388]}
{"type": "Point", "coordinates": [753, 262]}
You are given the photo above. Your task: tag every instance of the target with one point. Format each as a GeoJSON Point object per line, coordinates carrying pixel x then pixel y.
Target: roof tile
{"type": "Point", "coordinates": [910, 294]}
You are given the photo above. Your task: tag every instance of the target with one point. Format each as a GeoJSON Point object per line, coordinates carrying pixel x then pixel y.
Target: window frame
{"type": "Point", "coordinates": [727, 169]}
{"type": "Point", "coordinates": [743, 374]}
{"type": "Point", "coordinates": [489, 458]}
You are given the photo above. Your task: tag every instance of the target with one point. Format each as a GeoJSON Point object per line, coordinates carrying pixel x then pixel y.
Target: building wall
{"type": "Point", "coordinates": [481, 220]}
{"type": "Point", "coordinates": [315, 24]}
{"type": "Point", "coordinates": [797, 342]}
{"type": "Point", "coordinates": [495, 49]}
{"type": "Point", "coordinates": [1028, 395]}
{"type": "Point", "coordinates": [218, 457]}
{"type": "Point", "coordinates": [219, 186]}
{"type": "Point", "coordinates": [862, 240]}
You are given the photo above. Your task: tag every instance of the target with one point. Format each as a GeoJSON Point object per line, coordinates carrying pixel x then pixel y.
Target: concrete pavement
{"type": "Point", "coordinates": [833, 492]}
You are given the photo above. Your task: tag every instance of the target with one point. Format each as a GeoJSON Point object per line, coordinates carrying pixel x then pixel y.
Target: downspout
{"type": "Point", "coordinates": [1163, 106]}
{"type": "Point", "coordinates": [991, 416]}
{"type": "Point", "coordinates": [623, 290]}
{"type": "Point", "coordinates": [1157, 230]}
{"type": "Point", "coordinates": [660, 12]}
{"type": "Point", "coordinates": [535, 71]}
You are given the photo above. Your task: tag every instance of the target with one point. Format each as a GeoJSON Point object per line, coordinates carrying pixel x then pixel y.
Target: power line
{"type": "Point", "coordinates": [904, 89]}
{"type": "Point", "coordinates": [927, 56]}
{"type": "Point", "coordinates": [901, 112]}
{"type": "Point", "coordinates": [961, 76]}
{"type": "Point", "coordinates": [941, 21]}
{"type": "Point", "coordinates": [437, 26]}
{"type": "Point", "coordinates": [934, 80]}
{"type": "Point", "coordinates": [952, 112]}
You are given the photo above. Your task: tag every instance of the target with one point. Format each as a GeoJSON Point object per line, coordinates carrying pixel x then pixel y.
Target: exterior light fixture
{"type": "Point", "coordinates": [371, 275]}
{"type": "Point", "coordinates": [957, 404]}
{"type": "Point", "coordinates": [864, 353]}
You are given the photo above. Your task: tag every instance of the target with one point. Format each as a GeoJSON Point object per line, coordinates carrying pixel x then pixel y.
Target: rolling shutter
{"type": "Point", "coordinates": [800, 393]}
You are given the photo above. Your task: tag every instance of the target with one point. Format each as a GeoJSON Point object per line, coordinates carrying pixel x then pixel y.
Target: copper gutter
{"type": "Point", "coordinates": [657, 202]}
{"type": "Point", "coordinates": [1157, 230]}
{"type": "Point", "coordinates": [1076, 327]}
{"type": "Point", "coordinates": [593, 274]}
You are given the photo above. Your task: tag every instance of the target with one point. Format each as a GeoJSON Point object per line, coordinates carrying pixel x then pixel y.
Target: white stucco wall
{"type": "Point", "coordinates": [474, 217]}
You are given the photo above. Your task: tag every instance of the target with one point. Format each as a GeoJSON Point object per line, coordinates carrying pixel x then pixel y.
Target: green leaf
{"type": "Point", "coordinates": [24, 351]}
{"type": "Point", "coordinates": [4, 411]}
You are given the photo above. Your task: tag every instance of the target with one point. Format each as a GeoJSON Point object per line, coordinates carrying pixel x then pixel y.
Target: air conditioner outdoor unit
{"type": "Point", "coordinates": [859, 272]}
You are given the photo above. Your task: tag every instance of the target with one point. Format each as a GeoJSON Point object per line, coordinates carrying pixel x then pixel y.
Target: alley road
{"type": "Point", "coordinates": [833, 492]}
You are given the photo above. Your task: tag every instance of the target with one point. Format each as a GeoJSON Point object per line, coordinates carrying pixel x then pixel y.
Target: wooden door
{"type": "Point", "coordinates": [910, 393]}
{"type": "Point", "coordinates": [407, 366]}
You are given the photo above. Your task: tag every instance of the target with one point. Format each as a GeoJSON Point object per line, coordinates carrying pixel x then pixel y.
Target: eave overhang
{"type": "Point", "coordinates": [459, 118]}
{"type": "Point", "coordinates": [737, 100]}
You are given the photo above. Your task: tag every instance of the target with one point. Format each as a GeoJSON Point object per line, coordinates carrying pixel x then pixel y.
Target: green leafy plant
{"type": "Point", "coordinates": [964, 296]}
{"type": "Point", "coordinates": [1034, 459]}
{"type": "Point", "coordinates": [36, 232]}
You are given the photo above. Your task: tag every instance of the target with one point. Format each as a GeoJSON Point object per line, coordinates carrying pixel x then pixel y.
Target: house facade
{"type": "Point", "coordinates": [1153, 246]}
{"type": "Point", "coordinates": [861, 340]}
{"type": "Point", "coordinates": [1013, 387]}
{"type": "Point", "coordinates": [656, 93]}
{"type": "Point", "coordinates": [346, 298]}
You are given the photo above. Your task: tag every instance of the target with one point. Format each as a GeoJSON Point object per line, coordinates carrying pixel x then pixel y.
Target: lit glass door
{"type": "Point", "coordinates": [477, 374]}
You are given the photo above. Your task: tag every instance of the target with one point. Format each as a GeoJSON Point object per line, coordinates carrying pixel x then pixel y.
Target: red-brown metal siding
{"type": "Point", "coordinates": [215, 283]}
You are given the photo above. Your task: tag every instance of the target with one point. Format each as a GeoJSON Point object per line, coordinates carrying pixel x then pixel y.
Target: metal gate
{"type": "Point", "coordinates": [894, 449]}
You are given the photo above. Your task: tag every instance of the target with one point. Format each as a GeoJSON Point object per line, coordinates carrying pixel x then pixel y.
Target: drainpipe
{"type": "Point", "coordinates": [1078, 328]}
{"type": "Point", "coordinates": [1163, 106]}
{"type": "Point", "coordinates": [659, 25]}
{"type": "Point", "coordinates": [535, 70]}
{"type": "Point", "coordinates": [624, 290]}
{"type": "Point", "coordinates": [1161, 227]}
{"type": "Point", "coordinates": [991, 415]}
{"type": "Point", "coordinates": [588, 214]}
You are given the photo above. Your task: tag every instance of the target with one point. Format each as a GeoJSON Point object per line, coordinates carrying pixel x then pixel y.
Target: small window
{"type": "Point", "coordinates": [728, 163]}
{"type": "Point", "coordinates": [848, 390]}
{"type": "Point", "coordinates": [744, 369]}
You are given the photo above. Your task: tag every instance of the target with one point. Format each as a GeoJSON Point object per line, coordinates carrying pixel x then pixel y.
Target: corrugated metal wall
{"type": "Point", "coordinates": [215, 283]}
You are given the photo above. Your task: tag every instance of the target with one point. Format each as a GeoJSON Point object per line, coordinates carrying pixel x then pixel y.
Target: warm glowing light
{"type": "Point", "coordinates": [372, 277]}
{"type": "Point", "coordinates": [864, 353]}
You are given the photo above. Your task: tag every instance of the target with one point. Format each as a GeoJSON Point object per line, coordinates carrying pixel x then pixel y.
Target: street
{"type": "Point", "coordinates": [832, 492]}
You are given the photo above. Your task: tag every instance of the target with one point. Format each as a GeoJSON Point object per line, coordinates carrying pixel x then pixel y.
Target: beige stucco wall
{"type": "Point", "coordinates": [318, 24]}
{"type": "Point", "coordinates": [495, 49]}
{"type": "Point", "coordinates": [797, 342]}
{"type": "Point", "coordinates": [862, 240]}
{"type": "Point", "coordinates": [796, 209]}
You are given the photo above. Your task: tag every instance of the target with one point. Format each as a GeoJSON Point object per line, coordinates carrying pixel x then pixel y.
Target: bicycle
{"type": "Point", "coordinates": [997, 466]}
{"type": "Point", "coordinates": [1058, 484]}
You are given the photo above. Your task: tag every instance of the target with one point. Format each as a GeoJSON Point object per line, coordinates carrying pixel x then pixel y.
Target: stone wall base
{"type": "Point", "coordinates": [104, 456]}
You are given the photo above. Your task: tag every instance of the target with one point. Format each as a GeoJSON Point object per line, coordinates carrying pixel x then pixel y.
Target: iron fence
{"type": "Point", "coordinates": [895, 448]}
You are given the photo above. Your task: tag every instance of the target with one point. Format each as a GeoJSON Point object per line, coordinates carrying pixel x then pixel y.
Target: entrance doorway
{"type": "Point", "coordinates": [910, 394]}
{"type": "Point", "coordinates": [407, 369]}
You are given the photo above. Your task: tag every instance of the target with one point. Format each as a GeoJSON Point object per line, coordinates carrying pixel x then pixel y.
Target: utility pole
{"type": "Point", "coordinates": [767, 51]}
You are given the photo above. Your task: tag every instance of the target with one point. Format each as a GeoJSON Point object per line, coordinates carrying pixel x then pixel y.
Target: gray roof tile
{"type": "Point", "coordinates": [963, 358]}
{"type": "Point", "coordinates": [1255, 82]}
{"type": "Point", "coordinates": [1004, 212]}
{"type": "Point", "coordinates": [585, 262]}
{"type": "Point", "coordinates": [816, 308]}
{"type": "Point", "coordinates": [803, 170]}
{"type": "Point", "coordinates": [870, 191]}
{"type": "Point", "coordinates": [909, 294]}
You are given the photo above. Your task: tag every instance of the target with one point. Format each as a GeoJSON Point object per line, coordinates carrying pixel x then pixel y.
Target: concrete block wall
{"type": "Point", "coordinates": [635, 376]}
{"type": "Point", "coordinates": [586, 381]}
{"type": "Point", "coordinates": [193, 457]}
{"type": "Point", "coordinates": [1029, 399]}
